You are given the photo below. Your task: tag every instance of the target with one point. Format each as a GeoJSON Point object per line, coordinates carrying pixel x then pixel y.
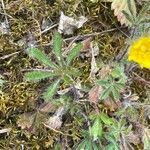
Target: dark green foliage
{"type": "Point", "coordinates": [41, 57]}
{"type": "Point", "coordinates": [113, 83]}
{"type": "Point", "coordinates": [51, 90]}
{"type": "Point", "coordinates": [64, 73]}
{"type": "Point", "coordinates": [74, 52]}
{"type": "Point", "coordinates": [38, 75]}
{"type": "Point", "coordinates": [57, 42]}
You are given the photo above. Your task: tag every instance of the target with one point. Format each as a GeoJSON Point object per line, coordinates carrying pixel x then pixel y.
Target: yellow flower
{"type": "Point", "coordinates": [139, 52]}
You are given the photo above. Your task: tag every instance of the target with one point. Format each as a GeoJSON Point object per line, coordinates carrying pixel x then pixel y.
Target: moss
{"type": "Point", "coordinates": [20, 97]}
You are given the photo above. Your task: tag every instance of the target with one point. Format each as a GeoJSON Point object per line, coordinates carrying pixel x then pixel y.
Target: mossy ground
{"type": "Point", "coordinates": [19, 96]}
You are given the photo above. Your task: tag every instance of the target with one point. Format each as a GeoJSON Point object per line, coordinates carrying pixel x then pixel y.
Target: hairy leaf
{"type": "Point", "coordinates": [105, 93]}
{"type": "Point", "coordinates": [51, 90]}
{"type": "Point", "coordinates": [38, 75]}
{"type": "Point", "coordinates": [116, 94]}
{"type": "Point", "coordinates": [74, 52]}
{"type": "Point", "coordinates": [127, 6]}
{"type": "Point", "coordinates": [96, 129]}
{"type": "Point", "coordinates": [132, 7]}
{"type": "Point", "coordinates": [41, 57]}
{"type": "Point", "coordinates": [106, 119]}
{"type": "Point", "coordinates": [57, 46]}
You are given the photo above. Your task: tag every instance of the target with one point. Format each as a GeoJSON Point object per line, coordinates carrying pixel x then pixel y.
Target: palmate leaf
{"type": "Point", "coordinates": [51, 90]}
{"type": "Point", "coordinates": [38, 75]}
{"type": "Point", "coordinates": [74, 52]}
{"type": "Point", "coordinates": [41, 57]}
{"type": "Point", "coordinates": [57, 46]}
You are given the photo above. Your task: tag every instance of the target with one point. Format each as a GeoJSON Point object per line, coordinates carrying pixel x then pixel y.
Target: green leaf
{"type": "Point", "coordinates": [58, 147]}
{"type": "Point", "coordinates": [132, 7]}
{"type": "Point", "coordinates": [38, 75]}
{"type": "Point", "coordinates": [74, 52]}
{"type": "Point", "coordinates": [96, 146]}
{"type": "Point", "coordinates": [110, 147]}
{"type": "Point", "coordinates": [102, 82]}
{"type": "Point", "coordinates": [106, 119]}
{"type": "Point", "coordinates": [51, 90]}
{"type": "Point", "coordinates": [57, 46]}
{"type": "Point", "coordinates": [113, 143]}
{"type": "Point", "coordinates": [73, 72]}
{"type": "Point", "coordinates": [116, 94]}
{"type": "Point", "coordinates": [41, 57]}
{"type": "Point", "coordinates": [82, 145]}
{"type": "Point", "coordinates": [96, 129]}
{"type": "Point", "coordinates": [128, 16]}
{"type": "Point", "coordinates": [67, 80]}
{"type": "Point", "coordinates": [105, 93]}
{"type": "Point", "coordinates": [88, 145]}
{"type": "Point", "coordinates": [142, 12]}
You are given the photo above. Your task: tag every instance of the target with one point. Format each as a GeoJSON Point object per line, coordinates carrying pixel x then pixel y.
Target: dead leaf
{"type": "Point", "coordinates": [55, 121]}
{"type": "Point", "coordinates": [133, 138]}
{"type": "Point", "coordinates": [6, 130]}
{"type": "Point", "coordinates": [4, 28]}
{"type": "Point", "coordinates": [111, 105]}
{"type": "Point", "coordinates": [94, 93]}
{"type": "Point", "coordinates": [105, 71]}
{"type": "Point", "coordinates": [132, 97]}
{"type": "Point", "coordinates": [46, 23]}
{"type": "Point", "coordinates": [121, 5]}
{"type": "Point", "coordinates": [26, 120]}
{"type": "Point", "coordinates": [64, 91]}
{"type": "Point", "coordinates": [46, 107]}
{"type": "Point", "coordinates": [67, 25]}
{"type": "Point", "coordinates": [86, 45]}
{"type": "Point", "coordinates": [94, 67]}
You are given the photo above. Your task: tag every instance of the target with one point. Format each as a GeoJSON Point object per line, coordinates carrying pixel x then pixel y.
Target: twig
{"type": "Point", "coordinates": [119, 28]}
{"type": "Point", "coordinates": [142, 79]}
{"type": "Point", "coordinates": [89, 35]}
{"type": "Point", "coordinates": [7, 130]}
{"type": "Point", "coordinates": [9, 55]}
{"type": "Point", "coordinates": [69, 46]}
{"type": "Point", "coordinates": [80, 37]}
{"type": "Point", "coordinates": [122, 54]}
{"type": "Point", "coordinates": [47, 29]}
{"type": "Point", "coordinates": [57, 131]}
{"type": "Point", "coordinates": [3, 6]}
{"type": "Point", "coordinates": [5, 14]}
